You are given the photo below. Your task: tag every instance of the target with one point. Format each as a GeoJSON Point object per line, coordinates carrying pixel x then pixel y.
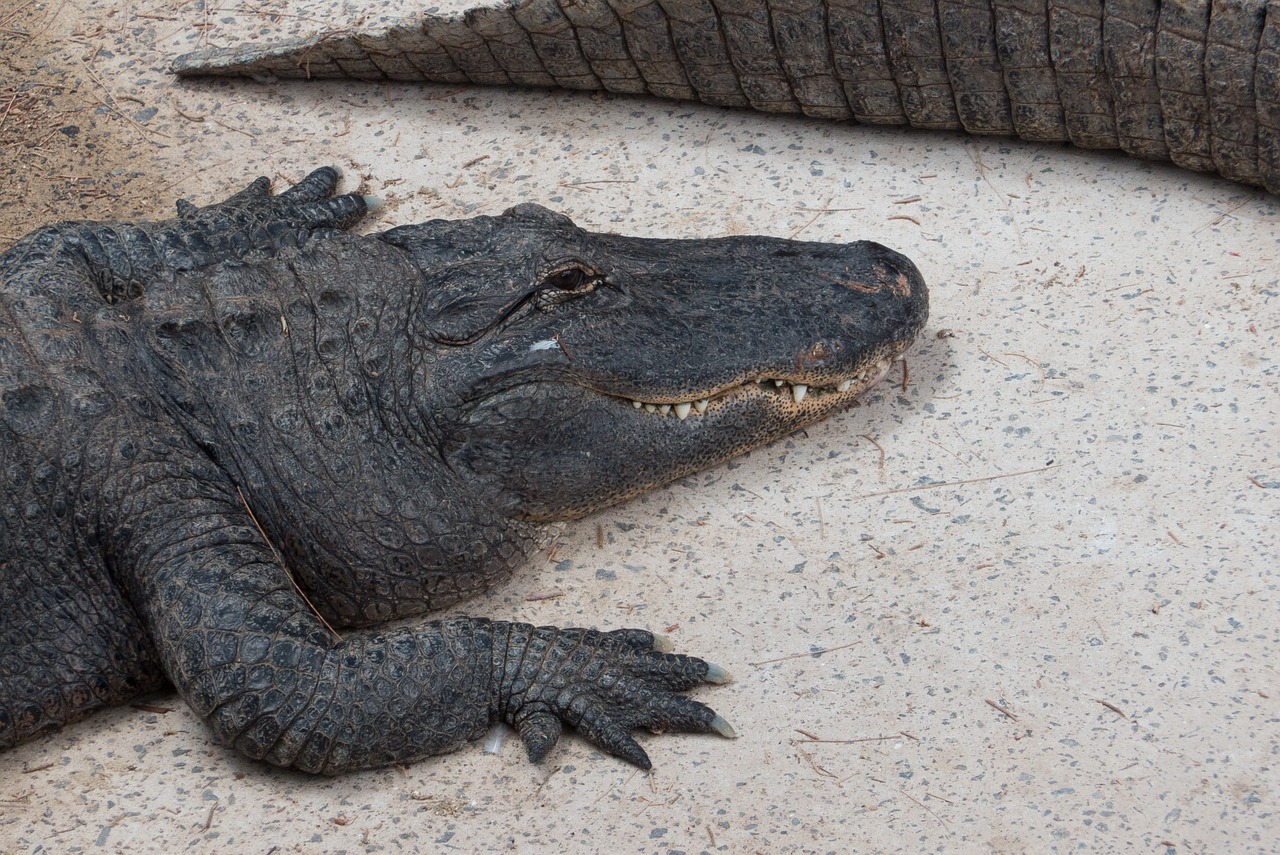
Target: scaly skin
{"type": "Point", "coordinates": [1192, 81]}
{"type": "Point", "coordinates": [200, 413]}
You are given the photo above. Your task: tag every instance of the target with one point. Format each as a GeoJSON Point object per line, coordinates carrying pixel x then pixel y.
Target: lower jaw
{"type": "Point", "coordinates": [656, 448]}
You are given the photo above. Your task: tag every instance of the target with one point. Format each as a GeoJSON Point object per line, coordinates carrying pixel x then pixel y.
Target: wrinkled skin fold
{"type": "Point", "coordinates": [199, 413]}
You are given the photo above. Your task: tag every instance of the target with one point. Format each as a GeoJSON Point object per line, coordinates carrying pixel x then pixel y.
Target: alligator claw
{"type": "Point", "coordinates": [717, 675]}
{"type": "Point", "coordinates": [320, 184]}
{"type": "Point", "coordinates": [539, 733]}
{"type": "Point", "coordinates": [614, 739]}
{"type": "Point", "coordinates": [254, 220]}
{"type": "Point", "coordinates": [259, 188]}
{"type": "Point", "coordinates": [721, 726]}
{"type": "Point", "coordinates": [340, 212]}
{"type": "Point", "coordinates": [603, 684]}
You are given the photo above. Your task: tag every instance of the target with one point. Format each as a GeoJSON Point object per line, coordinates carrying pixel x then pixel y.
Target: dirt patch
{"type": "Point", "coordinates": [69, 148]}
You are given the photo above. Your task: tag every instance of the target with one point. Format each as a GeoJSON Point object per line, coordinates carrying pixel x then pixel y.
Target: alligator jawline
{"type": "Point", "coordinates": [848, 388]}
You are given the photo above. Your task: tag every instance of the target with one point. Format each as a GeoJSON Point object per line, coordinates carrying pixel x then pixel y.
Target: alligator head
{"type": "Point", "coordinates": [566, 370]}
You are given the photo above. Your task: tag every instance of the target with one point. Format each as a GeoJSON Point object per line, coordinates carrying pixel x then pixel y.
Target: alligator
{"type": "Point", "coordinates": [239, 441]}
{"type": "Point", "coordinates": [1196, 82]}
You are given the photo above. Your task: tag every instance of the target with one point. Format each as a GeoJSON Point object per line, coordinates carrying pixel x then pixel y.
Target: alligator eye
{"type": "Point", "coordinates": [565, 283]}
{"type": "Point", "coordinates": [566, 279]}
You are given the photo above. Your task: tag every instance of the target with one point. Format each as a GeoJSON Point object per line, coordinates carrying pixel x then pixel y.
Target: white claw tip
{"type": "Point", "coordinates": [717, 675]}
{"type": "Point", "coordinates": [722, 727]}
{"type": "Point", "coordinates": [373, 203]}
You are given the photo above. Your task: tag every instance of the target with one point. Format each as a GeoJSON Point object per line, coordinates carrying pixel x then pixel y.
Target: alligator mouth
{"type": "Point", "coordinates": [787, 391]}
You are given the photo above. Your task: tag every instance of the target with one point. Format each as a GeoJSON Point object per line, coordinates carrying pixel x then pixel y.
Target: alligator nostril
{"type": "Point", "coordinates": [817, 354]}
{"type": "Point", "coordinates": [888, 279]}
{"type": "Point", "coordinates": [854, 283]}
{"type": "Point", "coordinates": [901, 286]}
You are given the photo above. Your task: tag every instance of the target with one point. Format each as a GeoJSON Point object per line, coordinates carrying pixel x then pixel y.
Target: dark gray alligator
{"type": "Point", "coordinates": [203, 418]}
{"type": "Point", "coordinates": [1192, 81]}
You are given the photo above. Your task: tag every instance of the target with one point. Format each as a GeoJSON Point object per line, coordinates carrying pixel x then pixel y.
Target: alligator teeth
{"type": "Point", "coordinates": [797, 391]}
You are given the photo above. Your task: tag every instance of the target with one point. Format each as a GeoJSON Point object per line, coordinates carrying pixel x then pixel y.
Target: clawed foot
{"type": "Point", "coordinates": [603, 684]}
{"type": "Point", "coordinates": [255, 220]}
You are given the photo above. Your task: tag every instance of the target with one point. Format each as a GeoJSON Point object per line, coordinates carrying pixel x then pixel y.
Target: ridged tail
{"type": "Point", "coordinates": [1192, 81]}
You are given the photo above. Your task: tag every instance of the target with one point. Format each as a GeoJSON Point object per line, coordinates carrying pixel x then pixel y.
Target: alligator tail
{"type": "Point", "coordinates": [1196, 82]}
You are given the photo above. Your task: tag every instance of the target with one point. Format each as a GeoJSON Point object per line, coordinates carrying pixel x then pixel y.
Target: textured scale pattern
{"type": "Point", "coordinates": [1192, 81]}
{"type": "Point", "coordinates": [129, 555]}
{"type": "Point", "coordinates": [203, 418]}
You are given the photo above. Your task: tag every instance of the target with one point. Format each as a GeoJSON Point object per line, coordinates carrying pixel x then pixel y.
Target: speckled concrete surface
{"type": "Point", "coordinates": [1043, 568]}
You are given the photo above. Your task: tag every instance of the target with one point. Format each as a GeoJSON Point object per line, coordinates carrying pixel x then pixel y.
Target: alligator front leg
{"type": "Point", "coordinates": [69, 643]}
{"type": "Point", "coordinates": [271, 679]}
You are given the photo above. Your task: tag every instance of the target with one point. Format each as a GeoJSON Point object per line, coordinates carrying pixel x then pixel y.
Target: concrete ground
{"type": "Point", "coordinates": [1025, 599]}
